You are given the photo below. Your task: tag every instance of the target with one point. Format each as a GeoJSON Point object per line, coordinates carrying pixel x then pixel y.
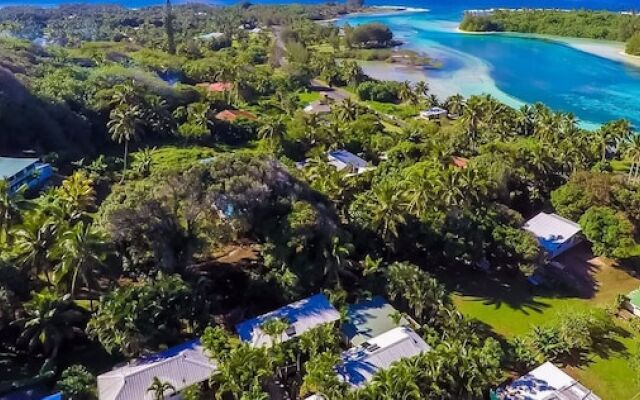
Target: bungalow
{"type": "Point", "coordinates": [360, 364]}
{"type": "Point", "coordinates": [301, 316]}
{"type": "Point", "coordinates": [216, 87]}
{"type": "Point", "coordinates": [554, 233]}
{"type": "Point", "coordinates": [233, 115]}
{"type": "Point", "coordinates": [19, 172]}
{"type": "Point", "coordinates": [344, 160]}
{"type": "Point", "coordinates": [632, 302]}
{"type": "Point", "coordinates": [181, 366]}
{"type": "Point", "coordinates": [543, 383]}
{"type": "Point", "coordinates": [434, 113]}
{"type": "Point", "coordinates": [370, 318]}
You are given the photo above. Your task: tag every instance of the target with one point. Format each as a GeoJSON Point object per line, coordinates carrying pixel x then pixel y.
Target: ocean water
{"type": "Point", "coordinates": [514, 69]}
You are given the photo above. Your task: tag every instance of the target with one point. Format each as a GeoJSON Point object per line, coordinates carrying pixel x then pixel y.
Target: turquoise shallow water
{"type": "Point", "coordinates": [516, 70]}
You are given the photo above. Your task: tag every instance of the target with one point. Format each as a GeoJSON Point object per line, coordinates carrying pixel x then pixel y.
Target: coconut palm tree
{"type": "Point", "coordinates": [81, 250]}
{"type": "Point", "coordinates": [422, 89]}
{"type": "Point", "coordinates": [33, 241]}
{"type": "Point", "coordinates": [273, 130]}
{"type": "Point", "coordinates": [159, 388]}
{"type": "Point", "coordinates": [337, 258]}
{"type": "Point", "coordinates": [387, 210]}
{"type": "Point", "coordinates": [49, 321]}
{"type": "Point", "coordinates": [472, 118]}
{"type": "Point", "coordinates": [632, 152]}
{"type": "Point", "coordinates": [352, 72]}
{"type": "Point", "coordinates": [455, 104]}
{"type": "Point", "coordinates": [125, 124]}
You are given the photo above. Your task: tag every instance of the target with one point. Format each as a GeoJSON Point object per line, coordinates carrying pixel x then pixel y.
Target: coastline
{"type": "Point", "coordinates": [607, 49]}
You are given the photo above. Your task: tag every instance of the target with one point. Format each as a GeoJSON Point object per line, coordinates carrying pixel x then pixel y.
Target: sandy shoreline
{"type": "Point", "coordinates": [602, 48]}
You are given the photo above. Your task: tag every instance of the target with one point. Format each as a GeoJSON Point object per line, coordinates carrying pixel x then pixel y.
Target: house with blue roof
{"type": "Point", "coordinates": [29, 172]}
{"type": "Point", "coordinates": [359, 364]}
{"type": "Point", "coordinates": [181, 366]}
{"type": "Point", "coordinates": [369, 318]}
{"type": "Point", "coordinates": [301, 316]}
{"type": "Point", "coordinates": [555, 234]}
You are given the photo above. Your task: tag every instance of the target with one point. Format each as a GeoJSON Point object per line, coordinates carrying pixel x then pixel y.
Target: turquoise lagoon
{"type": "Point", "coordinates": [516, 70]}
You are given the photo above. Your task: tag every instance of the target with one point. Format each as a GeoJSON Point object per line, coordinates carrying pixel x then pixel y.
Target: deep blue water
{"type": "Point", "coordinates": [516, 70]}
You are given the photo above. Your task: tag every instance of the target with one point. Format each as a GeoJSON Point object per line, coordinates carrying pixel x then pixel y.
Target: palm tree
{"type": "Point", "coordinates": [351, 72]}
{"type": "Point", "coordinates": [405, 93]}
{"type": "Point", "coordinates": [125, 94]}
{"type": "Point", "coordinates": [347, 110]}
{"type": "Point", "coordinates": [611, 135]}
{"type": "Point", "coordinates": [632, 151]}
{"type": "Point", "coordinates": [49, 321]}
{"type": "Point", "coordinates": [337, 260]}
{"type": "Point", "coordinates": [10, 207]}
{"type": "Point", "coordinates": [81, 249]}
{"type": "Point", "coordinates": [455, 104]}
{"type": "Point", "coordinates": [422, 89]}
{"type": "Point", "coordinates": [472, 118]}
{"type": "Point", "coordinates": [33, 240]}
{"type": "Point", "coordinates": [387, 210]}
{"type": "Point", "coordinates": [273, 130]}
{"type": "Point", "coordinates": [159, 388]}
{"type": "Point", "coordinates": [125, 124]}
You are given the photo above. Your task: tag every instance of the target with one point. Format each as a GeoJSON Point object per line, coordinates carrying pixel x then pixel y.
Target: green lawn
{"type": "Point", "coordinates": [511, 309]}
{"type": "Point", "coordinates": [308, 97]}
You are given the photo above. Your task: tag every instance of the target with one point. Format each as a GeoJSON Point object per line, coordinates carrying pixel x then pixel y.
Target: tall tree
{"type": "Point", "coordinates": [168, 26]}
{"type": "Point", "coordinates": [125, 124]}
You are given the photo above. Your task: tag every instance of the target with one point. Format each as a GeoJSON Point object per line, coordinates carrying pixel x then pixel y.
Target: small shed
{"type": "Point", "coordinates": [360, 364]}
{"type": "Point", "coordinates": [554, 233]}
{"type": "Point", "coordinates": [370, 318]}
{"type": "Point", "coordinates": [301, 316]}
{"type": "Point", "coordinates": [181, 366]}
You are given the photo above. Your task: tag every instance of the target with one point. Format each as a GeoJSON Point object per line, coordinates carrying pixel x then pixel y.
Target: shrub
{"type": "Point", "coordinates": [76, 383]}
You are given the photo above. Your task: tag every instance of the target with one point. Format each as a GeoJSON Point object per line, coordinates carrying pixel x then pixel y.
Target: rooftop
{"type": "Point", "coordinates": [232, 115]}
{"type": "Point", "coordinates": [368, 319]}
{"type": "Point", "coordinates": [180, 366]}
{"type": "Point", "coordinates": [342, 159]}
{"type": "Point", "coordinates": [552, 230]}
{"type": "Point", "coordinates": [216, 86]}
{"type": "Point", "coordinates": [10, 167]}
{"type": "Point", "coordinates": [317, 107]}
{"type": "Point", "coordinates": [302, 316]}
{"type": "Point", "coordinates": [547, 382]}
{"type": "Point", "coordinates": [433, 111]}
{"type": "Point", "coordinates": [634, 298]}
{"type": "Point", "coordinates": [361, 363]}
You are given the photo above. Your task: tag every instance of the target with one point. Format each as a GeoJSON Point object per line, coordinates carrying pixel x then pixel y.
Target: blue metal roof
{"type": "Point", "coordinates": [304, 314]}
{"type": "Point", "coordinates": [10, 167]}
{"type": "Point", "coordinates": [57, 396]}
{"type": "Point", "coordinates": [168, 353]}
{"type": "Point", "coordinates": [348, 158]}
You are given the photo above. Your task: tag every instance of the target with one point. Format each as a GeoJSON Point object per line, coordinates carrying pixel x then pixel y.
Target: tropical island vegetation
{"type": "Point", "coordinates": [589, 24]}
{"type": "Point", "coordinates": [194, 191]}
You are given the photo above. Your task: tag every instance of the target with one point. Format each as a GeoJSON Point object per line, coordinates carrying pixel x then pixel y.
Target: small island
{"type": "Point", "coordinates": [604, 25]}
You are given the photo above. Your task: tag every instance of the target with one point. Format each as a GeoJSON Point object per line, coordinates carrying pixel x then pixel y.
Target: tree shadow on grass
{"type": "Point", "coordinates": [501, 290]}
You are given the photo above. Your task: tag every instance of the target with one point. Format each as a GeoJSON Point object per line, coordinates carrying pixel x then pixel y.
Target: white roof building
{"type": "Point", "coordinates": [181, 366]}
{"type": "Point", "coordinates": [361, 363]}
{"type": "Point", "coordinates": [345, 160]}
{"type": "Point", "coordinates": [433, 112]}
{"type": "Point", "coordinates": [303, 315]}
{"type": "Point", "coordinates": [547, 382]}
{"type": "Point", "coordinates": [554, 233]}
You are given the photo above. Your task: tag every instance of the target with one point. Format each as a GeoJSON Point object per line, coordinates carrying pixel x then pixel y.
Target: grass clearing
{"type": "Point", "coordinates": [308, 97]}
{"type": "Point", "coordinates": [513, 308]}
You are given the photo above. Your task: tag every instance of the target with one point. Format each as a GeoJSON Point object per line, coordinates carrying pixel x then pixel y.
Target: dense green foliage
{"type": "Point", "coordinates": [179, 223]}
{"type": "Point", "coordinates": [633, 45]}
{"type": "Point", "coordinates": [578, 23]}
